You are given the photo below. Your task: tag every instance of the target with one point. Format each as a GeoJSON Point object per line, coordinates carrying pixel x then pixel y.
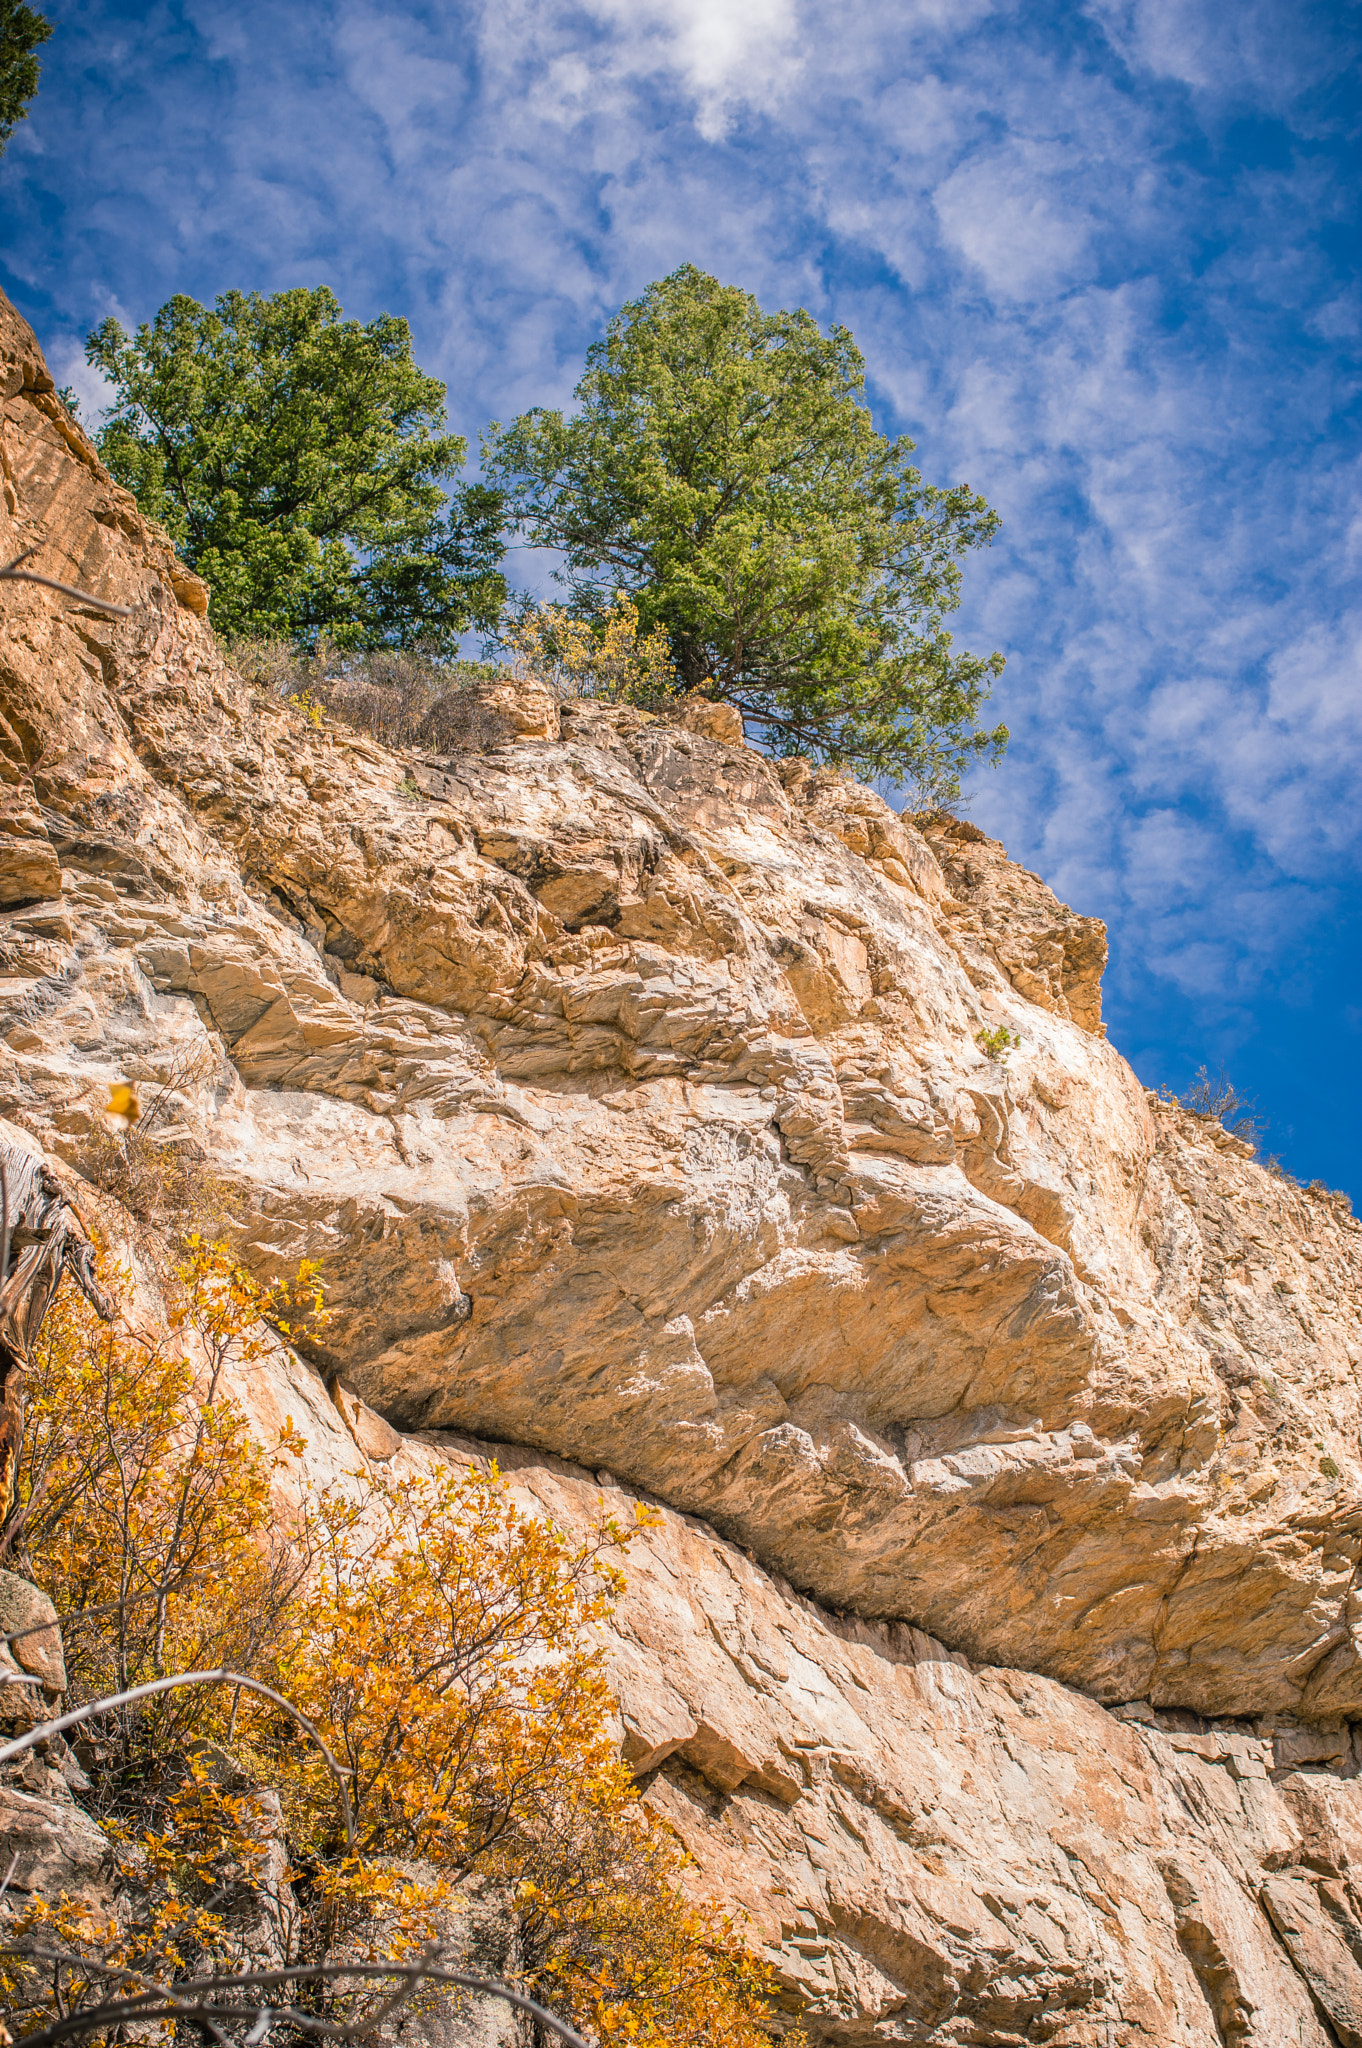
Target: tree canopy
{"type": "Point", "coordinates": [723, 471]}
{"type": "Point", "coordinates": [21, 32]}
{"type": "Point", "coordinates": [300, 462]}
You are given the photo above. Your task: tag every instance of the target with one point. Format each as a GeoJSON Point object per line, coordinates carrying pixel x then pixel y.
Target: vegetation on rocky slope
{"type": "Point", "coordinates": [722, 477]}
{"type": "Point", "coordinates": [722, 469]}
{"type": "Point", "coordinates": [440, 1642]}
{"type": "Point", "coordinates": [630, 1085]}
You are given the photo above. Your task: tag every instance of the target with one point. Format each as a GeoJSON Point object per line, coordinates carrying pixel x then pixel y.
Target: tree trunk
{"type": "Point", "coordinates": [41, 1236]}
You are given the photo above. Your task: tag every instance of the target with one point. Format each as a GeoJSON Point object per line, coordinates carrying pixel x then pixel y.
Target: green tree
{"type": "Point", "coordinates": [723, 471]}
{"type": "Point", "coordinates": [299, 461]}
{"type": "Point", "coordinates": [21, 32]}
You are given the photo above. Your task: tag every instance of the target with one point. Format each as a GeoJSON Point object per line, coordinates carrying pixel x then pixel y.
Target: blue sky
{"type": "Point", "coordinates": [1103, 260]}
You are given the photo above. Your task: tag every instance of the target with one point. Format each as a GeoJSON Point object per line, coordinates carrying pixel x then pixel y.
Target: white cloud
{"type": "Point", "coordinates": [727, 53]}
{"type": "Point", "coordinates": [1265, 49]}
{"type": "Point", "coordinates": [94, 393]}
{"type": "Point", "coordinates": [1002, 214]}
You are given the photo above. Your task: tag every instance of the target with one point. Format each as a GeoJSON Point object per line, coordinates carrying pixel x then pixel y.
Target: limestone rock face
{"type": "Point", "coordinates": [640, 1096]}
{"type": "Point", "coordinates": [630, 1086]}
{"type": "Point", "coordinates": [931, 1852]}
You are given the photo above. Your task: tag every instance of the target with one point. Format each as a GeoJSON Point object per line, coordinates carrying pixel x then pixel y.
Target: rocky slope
{"type": "Point", "coordinates": [630, 1086]}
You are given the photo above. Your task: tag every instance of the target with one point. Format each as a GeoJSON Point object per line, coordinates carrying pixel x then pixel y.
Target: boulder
{"type": "Point", "coordinates": [28, 1622]}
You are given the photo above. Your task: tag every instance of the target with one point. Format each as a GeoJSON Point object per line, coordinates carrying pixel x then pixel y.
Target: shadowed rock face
{"type": "Point", "coordinates": [629, 1086]}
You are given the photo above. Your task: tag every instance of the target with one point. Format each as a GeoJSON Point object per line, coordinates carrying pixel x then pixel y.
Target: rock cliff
{"type": "Point", "coordinates": [1000, 1648]}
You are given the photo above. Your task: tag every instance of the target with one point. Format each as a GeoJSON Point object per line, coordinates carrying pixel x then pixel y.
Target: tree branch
{"type": "Point", "coordinates": [12, 573]}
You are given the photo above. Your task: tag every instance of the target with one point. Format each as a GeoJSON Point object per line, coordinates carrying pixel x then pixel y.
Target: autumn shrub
{"type": "Point", "coordinates": [607, 657]}
{"type": "Point", "coordinates": [441, 1650]}
{"type": "Point", "coordinates": [607, 1933]}
{"type": "Point", "coordinates": [145, 1507]}
{"type": "Point", "coordinates": [441, 1642]}
{"type": "Point", "coordinates": [194, 1900]}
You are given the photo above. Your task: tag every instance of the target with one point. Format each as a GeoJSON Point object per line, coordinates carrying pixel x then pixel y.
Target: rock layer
{"type": "Point", "coordinates": [639, 1095]}
{"type": "Point", "coordinates": [936, 1853]}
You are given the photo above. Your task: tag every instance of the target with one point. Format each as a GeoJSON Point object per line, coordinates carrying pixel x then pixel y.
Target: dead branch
{"type": "Point", "coordinates": [47, 1729]}
{"type": "Point", "coordinates": [12, 573]}
{"type": "Point", "coordinates": [208, 1994]}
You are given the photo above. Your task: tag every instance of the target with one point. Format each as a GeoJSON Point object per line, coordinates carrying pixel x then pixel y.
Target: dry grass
{"type": "Point", "coordinates": [402, 697]}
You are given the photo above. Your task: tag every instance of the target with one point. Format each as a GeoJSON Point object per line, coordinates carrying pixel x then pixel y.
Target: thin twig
{"type": "Point", "coordinates": [35, 1952]}
{"type": "Point", "coordinates": [14, 574]}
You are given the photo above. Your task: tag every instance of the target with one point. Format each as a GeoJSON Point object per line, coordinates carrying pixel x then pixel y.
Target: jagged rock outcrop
{"type": "Point", "coordinates": [630, 1087]}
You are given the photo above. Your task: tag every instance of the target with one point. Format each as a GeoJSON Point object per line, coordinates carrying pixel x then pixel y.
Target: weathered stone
{"type": "Point", "coordinates": [29, 1620]}
{"type": "Point", "coordinates": [721, 722]}
{"type": "Point", "coordinates": [58, 1847]}
{"type": "Point", "coordinates": [1319, 1947]}
{"type": "Point", "coordinates": [29, 868]}
{"type": "Point", "coordinates": [377, 1439]}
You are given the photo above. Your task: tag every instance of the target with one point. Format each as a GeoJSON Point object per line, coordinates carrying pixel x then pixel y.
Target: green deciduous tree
{"type": "Point", "coordinates": [300, 463]}
{"type": "Point", "coordinates": [21, 32]}
{"type": "Point", "coordinates": [723, 470]}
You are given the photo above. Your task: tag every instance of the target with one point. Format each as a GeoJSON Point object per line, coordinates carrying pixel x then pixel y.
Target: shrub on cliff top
{"type": "Point", "coordinates": [404, 696]}
{"type": "Point", "coordinates": [722, 471]}
{"type": "Point", "coordinates": [607, 657]}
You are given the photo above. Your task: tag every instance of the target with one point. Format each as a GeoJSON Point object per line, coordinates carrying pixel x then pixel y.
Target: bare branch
{"type": "Point", "coordinates": [209, 1990]}
{"type": "Point", "coordinates": [158, 1685]}
{"type": "Point", "coordinates": [12, 573]}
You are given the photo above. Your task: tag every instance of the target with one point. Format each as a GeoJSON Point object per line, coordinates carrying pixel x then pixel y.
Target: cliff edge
{"type": "Point", "coordinates": [639, 1095]}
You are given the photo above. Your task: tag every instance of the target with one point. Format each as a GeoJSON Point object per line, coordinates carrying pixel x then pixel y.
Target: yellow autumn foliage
{"type": "Point", "coordinates": [607, 658]}
{"type": "Point", "coordinates": [442, 1642]}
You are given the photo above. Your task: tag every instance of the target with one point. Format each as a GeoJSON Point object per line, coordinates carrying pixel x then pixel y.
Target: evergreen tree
{"type": "Point", "coordinates": [300, 463]}
{"type": "Point", "coordinates": [722, 470]}
{"type": "Point", "coordinates": [21, 33]}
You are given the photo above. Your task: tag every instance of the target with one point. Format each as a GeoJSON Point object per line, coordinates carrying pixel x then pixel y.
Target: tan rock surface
{"type": "Point", "coordinates": [925, 1850]}
{"type": "Point", "coordinates": [29, 1639]}
{"type": "Point", "coordinates": [629, 1086]}
{"type": "Point", "coordinates": [936, 1853]}
{"type": "Point", "coordinates": [931, 1852]}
